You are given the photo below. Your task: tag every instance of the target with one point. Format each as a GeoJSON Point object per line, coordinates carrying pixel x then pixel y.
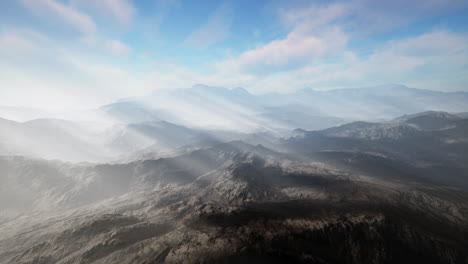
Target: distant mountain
{"type": "Point", "coordinates": [200, 107]}
{"type": "Point", "coordinates": [429, 114]}
{"type": "Point", "coordinates": [297, 115]}
{"type": "Point", "coordinates": [23, 114]}
{"type": "Point", "coordinates": [384, 101]}
{"type": "Point", "coordinates": [51, 139]}
{"type": "Point", "coordinates": [127, 138]}
{"type": "Point", "coordinates": [371, 131]}
{"type": "Point", "coordinates": [433, 143]}
{"type": "Point", "coordinates": [309, 109]}
{"type": "Point", "coordinates": [462, 115]}
{"type": "Point", "coordinates": [431, 120]}
{"type": "Point", "coordinates": [131, 112]}
{"type": "Point", "coordinates": [70, 141]}
{"type": "Point", "coordinates": [218, 108]}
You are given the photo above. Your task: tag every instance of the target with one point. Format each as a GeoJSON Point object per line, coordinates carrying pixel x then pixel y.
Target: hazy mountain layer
{"type": "Point", "coordinates": [50, 139]}
{"type": "Point", "coordinates": [169, 119]}
{"type": "Point", "coordinates": [308, 109]}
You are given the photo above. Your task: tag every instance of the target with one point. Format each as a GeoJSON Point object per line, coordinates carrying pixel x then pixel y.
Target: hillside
{"type": "Point", "coordinates": [239, 203]}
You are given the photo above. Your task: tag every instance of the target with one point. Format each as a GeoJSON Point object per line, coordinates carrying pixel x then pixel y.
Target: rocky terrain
{"type": "Point", "coordinates": [431, 145]}
{"type": "Point", "coordinates": [230, 203]}
{"type": "Point", "coordinates": [233, 132]}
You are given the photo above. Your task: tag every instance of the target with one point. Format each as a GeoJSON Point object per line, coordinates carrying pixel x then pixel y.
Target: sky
{"type": "Point", "coordinates": [85, 53]}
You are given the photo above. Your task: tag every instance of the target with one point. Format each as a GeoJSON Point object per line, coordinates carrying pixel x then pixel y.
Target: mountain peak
{"type": "Point", "coordinates": [429, 120]}
{"type": "Point", "coordinates": [203, 87]}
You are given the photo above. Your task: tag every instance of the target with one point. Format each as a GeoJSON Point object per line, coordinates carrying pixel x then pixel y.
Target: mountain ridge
{"type": "Point", "coordinates": [245, 203]}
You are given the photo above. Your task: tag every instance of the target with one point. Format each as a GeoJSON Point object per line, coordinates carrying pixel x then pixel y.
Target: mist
{"type": "Point", "coordinates": [233, 132]}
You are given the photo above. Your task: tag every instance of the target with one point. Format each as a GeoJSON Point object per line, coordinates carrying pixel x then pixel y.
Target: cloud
{"type": "Point", "coordinates": [296, 50]}
{"type": "Point", "coordinates": [117, 48]}
{"type": "Point", "coordinates": [214, 30]}
{"type": "Point", "coordinates": [437, 43]}
{"type": "Point", "coordinates": [120, 11]}
{"type": "Point", "coordinates": [418, 57]}
{"type": "Point", "coordinates": [313, 36]}
{"type": "Point", "coordinates": [60, 77]}
{"type": "Point", "coordinates": [40, 72]}
{"type": "Point", "coordinates": [367, 16]}
{"type": "Point", "coordinates": [315, 52]}
{"type": "Point", "coordinates": [61, 14]}
{"type": "Point", "coordinates": [435, 60]}
{"type": "Point", "coordinates": [12, 44]}
{"type": "Point", "coordinates": [314, 17]}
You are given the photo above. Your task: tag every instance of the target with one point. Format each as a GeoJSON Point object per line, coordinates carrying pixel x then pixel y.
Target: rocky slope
{"type": "Point", "coordinates": [431, 145]}
{"type": "Point", "coordinates": [231, 203]}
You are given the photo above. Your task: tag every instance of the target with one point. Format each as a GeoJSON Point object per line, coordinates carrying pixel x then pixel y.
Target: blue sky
{"type": "Point", "coordinates": [83, 53]}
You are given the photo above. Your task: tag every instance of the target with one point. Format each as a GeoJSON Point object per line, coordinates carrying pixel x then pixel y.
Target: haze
{"type": "Point", "coordinates": [180, 131]}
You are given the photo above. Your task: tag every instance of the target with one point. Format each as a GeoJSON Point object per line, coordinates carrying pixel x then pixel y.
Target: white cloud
{"type": "Point", "coordinates": [74, 79]}
{"type": "Point", "coordinates": [60, 13]}
{"type": "Point", "coordinates": [438, 43]}
{"type": "Point", "coordinates": [296, 50]}
{"type": "Point", "coordinates": [436, 60]}
{"type": "Point", "coordinates": [313, 53]}
{"type": "Point", "coordinates": [367, 16]}
{"type": "Point", "coordinates": [39, 72]}
{"type": "Point", "coordinates": [117, 48]}
{"type": "Point", "coordinates": [214, 30]}
{"type": "Point", "coordinates": [120, 11]}
{"type": "Point", "coordinates": [12, 44]}
{"type": "Point", "coordinates": [313, 17]}
{"type": "Point", "coordinates": [313, 36]}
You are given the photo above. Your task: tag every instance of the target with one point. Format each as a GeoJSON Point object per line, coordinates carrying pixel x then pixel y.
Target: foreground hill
{"type": "Point", "coordinates": [231, 203]}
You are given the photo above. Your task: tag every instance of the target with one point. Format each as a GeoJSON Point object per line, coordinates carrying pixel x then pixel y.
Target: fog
{"type": "Point", "coordinates": [188, 132]}
{"type": "Point", "coordinates": [185, 164]}
{"type": "Point", "coordinates": [166, 120]}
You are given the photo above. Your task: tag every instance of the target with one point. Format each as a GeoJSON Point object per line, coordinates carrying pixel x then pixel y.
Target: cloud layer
{"type": "Point", "coordinates": [57, 51]}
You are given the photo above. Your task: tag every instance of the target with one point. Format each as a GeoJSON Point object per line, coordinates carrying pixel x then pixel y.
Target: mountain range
{"type": "Point", "coordinates": [211, 175]}
{"type": "Point", "coordinates": [169, 119]}
{"type": "Point", "coordinates": [229, 203]}
{"type": "Point", "coordinates": [307, 108]}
